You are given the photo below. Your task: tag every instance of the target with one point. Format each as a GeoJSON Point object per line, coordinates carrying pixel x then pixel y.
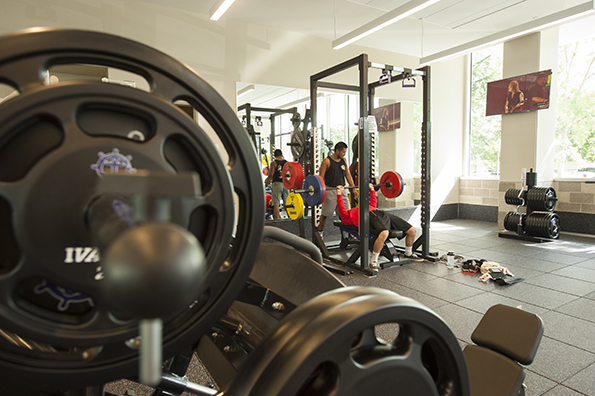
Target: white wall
{"type": "Point", "coordinates": [448, 129]}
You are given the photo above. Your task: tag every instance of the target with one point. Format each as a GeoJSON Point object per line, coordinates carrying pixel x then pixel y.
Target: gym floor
{"type": "Point", "coordinates": [559, 286]}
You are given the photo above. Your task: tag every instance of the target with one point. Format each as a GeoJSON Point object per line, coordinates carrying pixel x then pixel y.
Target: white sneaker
{"type": "Point", "coordinates": [413, 257]}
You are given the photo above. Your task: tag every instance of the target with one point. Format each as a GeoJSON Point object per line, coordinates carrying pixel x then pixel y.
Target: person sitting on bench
{"type": "Point", "coordinates": [381, 222]}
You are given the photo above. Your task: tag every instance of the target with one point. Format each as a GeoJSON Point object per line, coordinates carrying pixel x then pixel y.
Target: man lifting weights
{"type": "Point", "coordinates": [333, 171]}
{"type": "Point", "coordinates": [382, 222]}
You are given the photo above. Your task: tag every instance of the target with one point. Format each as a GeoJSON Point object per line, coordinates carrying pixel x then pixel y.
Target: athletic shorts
{"type": "Point", "coordinates": [380, 221]}
{"type": "Point", "coordinates": [330, 202]}
{"type": "Point", "coordinates": [278, 191]}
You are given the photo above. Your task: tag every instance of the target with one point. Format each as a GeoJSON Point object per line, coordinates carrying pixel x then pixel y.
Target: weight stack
{"type": "Point", "coordinates": [540, 221]}
{"type": "Point", "coordinates": [543, 224]}
{"type": "Point", "coordinates": [515, 222]}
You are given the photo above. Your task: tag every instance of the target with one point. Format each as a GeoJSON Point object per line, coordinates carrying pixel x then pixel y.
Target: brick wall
{"type": "Point", "coordinates": [479, 192]}
{"type": "Point", "coordinates": [575, 196]}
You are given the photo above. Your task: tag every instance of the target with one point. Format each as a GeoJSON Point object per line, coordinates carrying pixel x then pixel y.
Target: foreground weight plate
{"type": "Point", "coordinates": [396, 188]}
{"type": "Point", "coordinates": [315, 190]}
{"type": "Point", "coordinates": [293, 175]}
{"type": "Point", "coordinates": [65, 137]}
{"type": "Point", "coordinates": [325, 348]}
{"type": "Point", "coordinates": [294, 206]}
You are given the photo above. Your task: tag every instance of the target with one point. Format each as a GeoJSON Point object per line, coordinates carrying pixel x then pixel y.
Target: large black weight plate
{"type": "Point", "coordinates": [329, 346]}
{"type": "Point", "coordinates": [298, 144]}
{"type": "Point", "coordinates": [541, 199]}
{"type": "Point", "coordinates": [50, 161]}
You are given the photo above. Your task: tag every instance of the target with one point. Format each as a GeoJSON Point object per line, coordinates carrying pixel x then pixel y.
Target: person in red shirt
{"type": "Point", "coordinates": [381, 222]}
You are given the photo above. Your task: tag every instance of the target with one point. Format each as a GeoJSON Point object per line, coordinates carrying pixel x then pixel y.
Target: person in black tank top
{"type": "Point", "coordinates": [278, 191]}
{"type": "Point", "coordinates": [333, 171]}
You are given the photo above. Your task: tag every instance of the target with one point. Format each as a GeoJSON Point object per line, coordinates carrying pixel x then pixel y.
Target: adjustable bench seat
{"type": "Point", "coordinates": [389, 250]}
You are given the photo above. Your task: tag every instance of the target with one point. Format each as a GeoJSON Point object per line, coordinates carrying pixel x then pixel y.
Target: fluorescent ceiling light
{"type": "Point", "coordinates": [219, 9]}
{"type": "Point", "coordinates": [381, 22]}
{"type": "Point", "coordinates": [552, 20]}
{"type": "Point", "coordinates": [245, 90]}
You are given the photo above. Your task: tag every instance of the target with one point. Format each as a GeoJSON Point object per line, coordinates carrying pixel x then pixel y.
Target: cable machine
{"type": "Point", "coordinates": [367, 164]}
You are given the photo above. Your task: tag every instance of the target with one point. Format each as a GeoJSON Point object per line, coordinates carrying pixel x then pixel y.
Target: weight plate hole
{"type": "Point", "coordinates": [370, 346]}
{"type": "Point", "coordinates": [116, 121]}
{"type": "Point", "coordinates": [29, 142]}
{"type": "Point", "coordinates": [9, 251]}
{"type": "Point", "coordinates": [180, 154]}
{"type": "Point", "coordinates": [322, 382]}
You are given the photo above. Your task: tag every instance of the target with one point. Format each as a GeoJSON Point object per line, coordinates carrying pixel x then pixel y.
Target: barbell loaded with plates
{"type": "Point", "coordinates": [57, 143]}
{"type": "Point", "coordinates": [314, 192]}
{"type": "Point", "coordinates": [537, 224]}
{"type": "Point", "coordinates": [535, 198]}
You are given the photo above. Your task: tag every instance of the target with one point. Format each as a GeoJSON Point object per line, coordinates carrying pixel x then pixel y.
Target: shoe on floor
{"type": "Point", "coordinates": [374, 267]}
{"type": "Point", "coordinates": [413, 257]}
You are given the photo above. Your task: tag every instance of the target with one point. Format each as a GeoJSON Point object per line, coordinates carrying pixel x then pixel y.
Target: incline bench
{"type": "Point", "coordinates": [389, 250]}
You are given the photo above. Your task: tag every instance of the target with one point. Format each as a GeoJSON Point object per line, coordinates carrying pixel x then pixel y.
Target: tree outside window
{"type": "Point", "coordinates": [484, 139]}
{"type": "Point", "coordinates": [575, 113]}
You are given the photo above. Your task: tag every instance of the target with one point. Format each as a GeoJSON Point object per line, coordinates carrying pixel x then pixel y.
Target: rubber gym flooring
{"type": "Point", "coordinates": [559, 286]}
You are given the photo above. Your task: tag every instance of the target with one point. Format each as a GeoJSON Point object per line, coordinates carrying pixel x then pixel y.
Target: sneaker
{"type": "Point", "coordinates": [413, 257]}
{"type": "Point", "coordinates": [374, 267]}
{"type": "Point", "coordinates": [321, 234]}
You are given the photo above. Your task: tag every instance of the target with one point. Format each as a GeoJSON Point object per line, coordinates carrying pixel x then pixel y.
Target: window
{"type": "Point", "coordinates": [575, 112]}
{"type": "Point", "coordinates": [484, 138]}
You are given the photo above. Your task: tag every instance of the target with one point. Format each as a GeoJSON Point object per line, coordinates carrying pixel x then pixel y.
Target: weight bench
{"type": "Point", "coordinates": [389, 251]}
{"type": "Point", "coordinates": [504, 336]}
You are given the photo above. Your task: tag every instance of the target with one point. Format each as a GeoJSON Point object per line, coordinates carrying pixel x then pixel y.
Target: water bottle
{"type": "Point", "coordinates": [450, 260]}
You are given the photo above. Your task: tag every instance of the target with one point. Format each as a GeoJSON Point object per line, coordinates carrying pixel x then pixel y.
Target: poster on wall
{"type": "Point", "coordinates": [518, 94]}
{"type": "Point", "coordinates": [388, 118]}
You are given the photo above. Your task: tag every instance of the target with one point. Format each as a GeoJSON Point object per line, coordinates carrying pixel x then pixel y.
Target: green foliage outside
{"type": "Point", "coordinates": [575, 115]}
{"type": "Point", "coordinates": [485, 131]}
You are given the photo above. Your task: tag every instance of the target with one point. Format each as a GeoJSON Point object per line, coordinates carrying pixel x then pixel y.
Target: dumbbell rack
{"type": "Point", "coordinates": [539, 223]}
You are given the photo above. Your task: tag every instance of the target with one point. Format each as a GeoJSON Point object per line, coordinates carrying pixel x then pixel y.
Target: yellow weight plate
{"type": "Point", "coordinates": [265, 159]}
{"type": "Point", "coordinates": [294, 205]}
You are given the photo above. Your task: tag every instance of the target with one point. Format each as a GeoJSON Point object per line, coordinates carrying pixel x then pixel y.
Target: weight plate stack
{"type": "Point", "coordinates": [512, 220]}
{"type": "Point", "coordinates": [514, 196]}
{"type": "Point", "coordinates": [541, 199]}
{"type": "Point", "coordinates": [543, 224]}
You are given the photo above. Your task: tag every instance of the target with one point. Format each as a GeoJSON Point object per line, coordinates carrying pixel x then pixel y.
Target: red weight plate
{"type": "Point", "coordinates": [293, 175]}
{"type": "Point", "coordinates": [265, 171]}
{"type": "Point", "coordinates": [323, 189]}
{"type": "Point", "coordinates": [397, 184]}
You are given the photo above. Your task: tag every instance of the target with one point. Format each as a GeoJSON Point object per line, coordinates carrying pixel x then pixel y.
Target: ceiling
{"type": "Point", "coordinates": [444, 25]}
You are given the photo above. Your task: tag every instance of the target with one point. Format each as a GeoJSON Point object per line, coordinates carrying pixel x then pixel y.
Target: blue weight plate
{"type": "Point", "coordinates": [315, 193]}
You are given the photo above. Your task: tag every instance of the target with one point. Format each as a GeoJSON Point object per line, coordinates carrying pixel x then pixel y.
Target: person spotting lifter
{"type": "Point", "coordinates": [333, 172]}
{"type": "Point", "coordinates": [276, 175]}
{"type": "Point", "coordinates": [382, 223]}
